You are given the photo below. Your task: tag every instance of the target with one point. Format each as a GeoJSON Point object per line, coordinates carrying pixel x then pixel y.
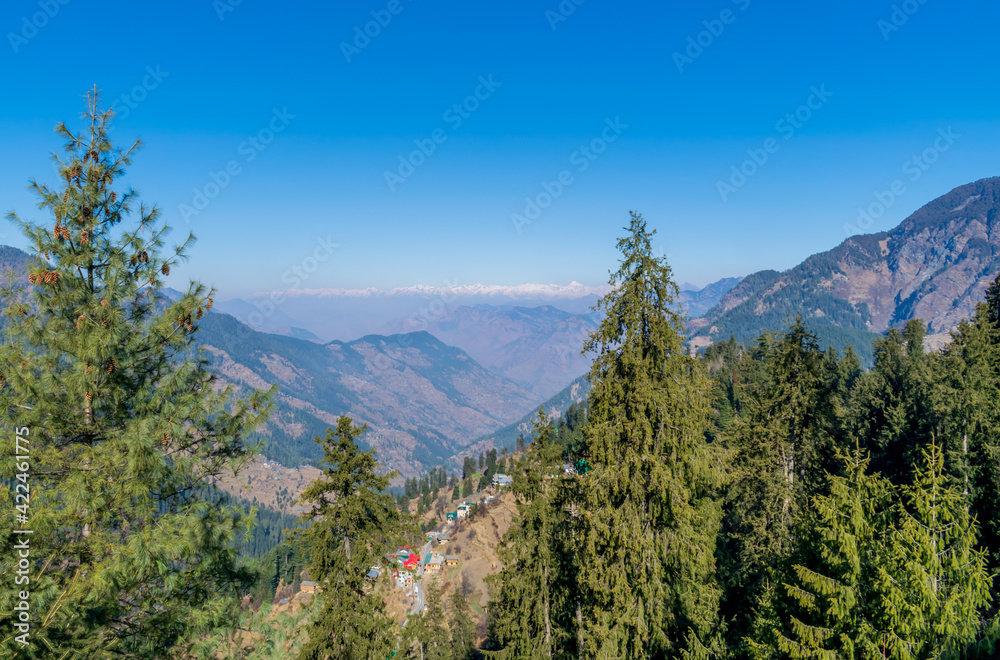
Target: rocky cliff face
{"type": "Point", "coordinates": [935, 266]}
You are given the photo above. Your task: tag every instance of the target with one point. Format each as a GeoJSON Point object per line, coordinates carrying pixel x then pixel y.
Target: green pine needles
{"type": "Point", "coordinates": [125, 425]}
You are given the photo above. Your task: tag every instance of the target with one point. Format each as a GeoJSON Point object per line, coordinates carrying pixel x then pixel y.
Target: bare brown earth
{"type": "Point", "coordinates": [271, 485]}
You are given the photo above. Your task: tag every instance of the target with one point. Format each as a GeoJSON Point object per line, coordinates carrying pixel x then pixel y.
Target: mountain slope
{"type": "Point", "coordinates": [536, 347]}
{"type": "Point", "coordinates": [696, 301]}
{"type": "Point", "coordinates": [575, 392]}
{"type": "Point", "coordinates": [422, 399]}
{"type": "Point", "coordinates": [934, 266]}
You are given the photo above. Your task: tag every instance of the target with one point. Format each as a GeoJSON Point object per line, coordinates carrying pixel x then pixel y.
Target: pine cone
{"type": "Point", "coordinates": [143, 257]}
{"type": "Point", "coordinates": [84, 237]}
{"type": "Point", "coordinates": [56, 232]}
{"type": "Point", "coordinates": [87, 370]}
{"type": "Point", "coordinates": [87, 396]}
{"type": "Point", "coordinates": [104, 303]}
{"type": "Point", "coordinates": [111, 365]}
{"type": "Point", "coordinates": [113, 197]}
{"type": "Point", "coordinates": [198, 315]}
{"type": "Point", "coordinates": [165, 269]}
{"type": "Point", "coordinates": [255, 406]}
{"type": "Point", "coordinates": [31, 278]}
{"type": "Point", "coordinates": [209, 304]}
{"type": "Point", "coordinates": [79, 322]}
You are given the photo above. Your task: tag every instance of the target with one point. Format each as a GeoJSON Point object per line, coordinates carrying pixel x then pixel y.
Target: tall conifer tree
{"type": "Point", "coordinates": [354, 520]}
{"type": "Point", "coordinates": [123, 424]}
{"type": "Point", "coordinates": [532, 609]}
{"type": "Point", "coordinates": [836, 608]}
{"type": "Point", "coordinates": [934, 579]}
{"type": "Point", "coordinates": [650, 511]}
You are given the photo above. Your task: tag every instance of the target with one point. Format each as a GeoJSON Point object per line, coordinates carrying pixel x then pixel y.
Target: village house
{"type": "Point", "coordinates": [443, 538]}
{"type": "Point", "coordinates": [434, 565]}
{"type": "Point", "coordinates": [451, 560]}
{"type": "Point", "coordinates": [308, 587]}
{"type": "Point", "coordinates": [502, 481]}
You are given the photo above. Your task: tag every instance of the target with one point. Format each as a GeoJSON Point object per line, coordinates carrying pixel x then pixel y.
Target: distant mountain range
{"type": "Point", "coordinates": [345, 314]}
{"type": "Point", "coordinates": [450, 376]}
{"type": "Point", "coordinates": [696, 302]}
{"type": "Point", "coordinates": [934, 266]}
{"type": "Point", "coordinates": [539, 348]}
{"type": "Point", "coordinates": [422, 400]}
{"type": "Point", "coordinates": [575, 392]}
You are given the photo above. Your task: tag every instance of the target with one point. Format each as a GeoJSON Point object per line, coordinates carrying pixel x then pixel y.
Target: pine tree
{"type": "Point", "coordinates": [428, 636]}
{"type": "Point", "coordinates": [934, 580]}
{"type": "Point", "coordinates": [650, 511]}
{"type": "Point", "coordinates": [836, 608]}
{"type": "Point", "coordinates": [968, 401]}
{"type": "Point", "coordinates": [354, 520]}
{"type": "Point", "coordinates": [892, 406]}
{"type": "Point", "coordinates": [122, 425]}
{"type": "Point", "coordinates": [532, 604]}
{"type": "Point", "coordinates": [781, 442]}
{"type": "Point", "coordinates": [463, 628]}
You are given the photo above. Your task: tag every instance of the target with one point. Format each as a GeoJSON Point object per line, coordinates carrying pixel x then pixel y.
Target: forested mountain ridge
{"type": "Point", "coordinates": [424, 401]}
{"type": "Point", "coordinates": [935, 266]}
{"type": "Point", "coordinates": [539, 348]}
{"type": "Point", "coordinates": [696, 302]}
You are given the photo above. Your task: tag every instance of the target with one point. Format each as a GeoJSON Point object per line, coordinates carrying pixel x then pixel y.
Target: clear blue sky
{"type": "Point", "coordinates": [451, 219]}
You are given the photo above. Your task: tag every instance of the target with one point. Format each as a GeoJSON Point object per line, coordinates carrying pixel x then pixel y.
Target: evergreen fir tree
{"type": "Point", "coordinates": [532, 610]}
{"type": "Point", "coordinates": [122, 425]}
{"type": "Point", "coordinates": [463, 628]}
{"type": "Point", "coordinates": [836, 607]}
{"type": "Point", "coordinates": [781, 442]}
{"type": "Point", "coordinates": [430, 639]}
{"type": "Point", "coordinates": [892, 406]}
{"type": "Point", "coordinates": [650, 511]}
{"type": "Point", "coordinates": [968, 401]}
{"type": "Point", "coordinates": [934, 580]}
{"type": "Point", "coordinates": [354, 520]}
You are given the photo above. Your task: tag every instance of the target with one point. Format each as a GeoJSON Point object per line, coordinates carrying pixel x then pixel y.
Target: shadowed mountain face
{"type": "Point", "coordinates": [934, 266]}
{"type": "Point", "coordinates": [539, 348]}
{"type": "Point", "coordinates": [423, 400]}
{"type": "Point", "coordinates": [696, 302]}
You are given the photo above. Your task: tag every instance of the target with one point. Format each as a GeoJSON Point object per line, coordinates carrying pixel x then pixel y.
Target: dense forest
{"type": "Point", "coordinates": [771, 500]}
{"type": "Point", "coordinates": [765, 499]}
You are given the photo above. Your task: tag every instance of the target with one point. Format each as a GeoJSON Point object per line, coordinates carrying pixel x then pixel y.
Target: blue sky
{"type": "Point", "coordinates": [557, 77]}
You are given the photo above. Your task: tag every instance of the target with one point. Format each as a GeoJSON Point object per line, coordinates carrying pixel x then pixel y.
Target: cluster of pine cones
{"type": "Point", "coordinates": [49, 277]}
